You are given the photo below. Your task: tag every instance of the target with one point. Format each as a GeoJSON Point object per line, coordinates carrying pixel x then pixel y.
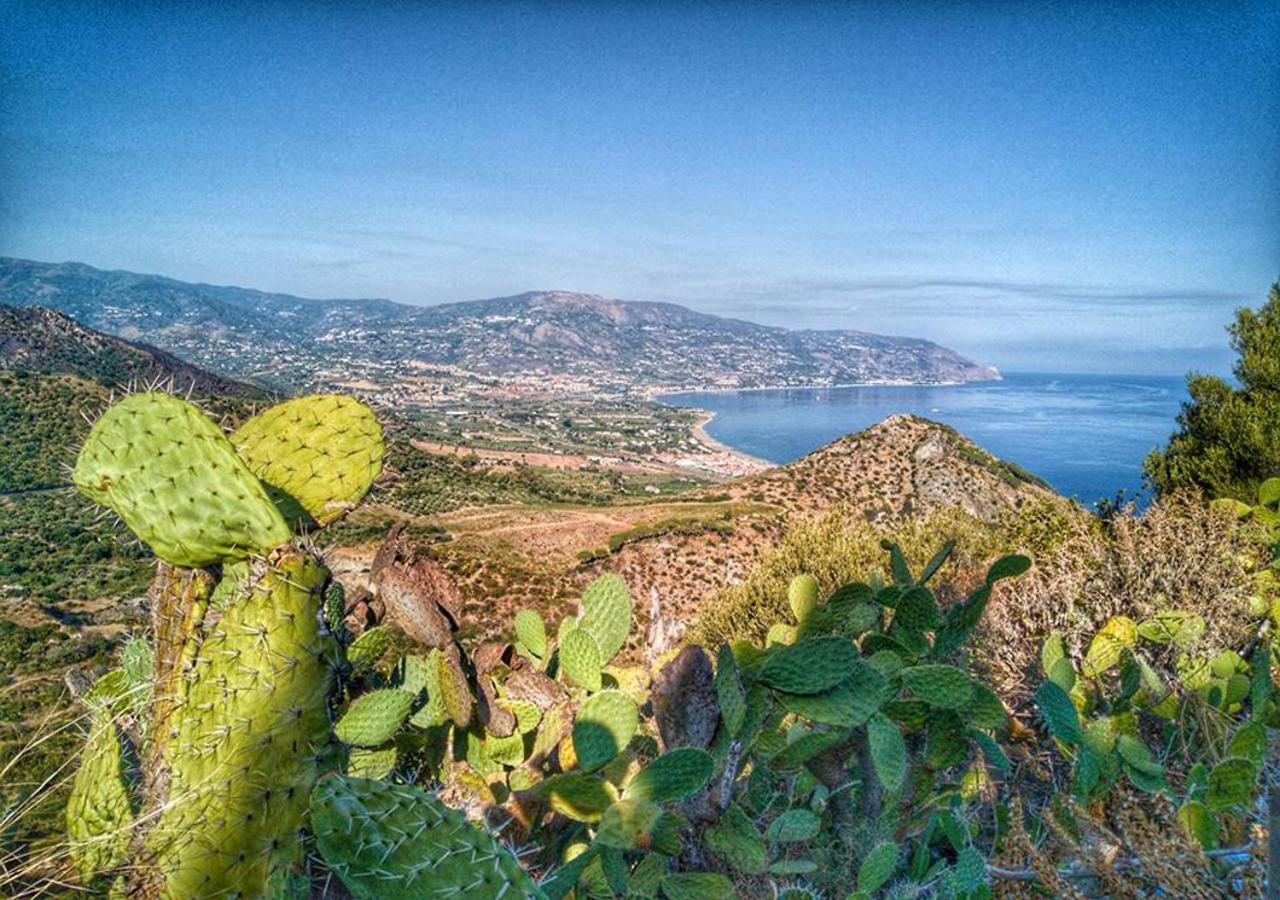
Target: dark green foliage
{"type": "Point", "coordinates": [1226, 441]}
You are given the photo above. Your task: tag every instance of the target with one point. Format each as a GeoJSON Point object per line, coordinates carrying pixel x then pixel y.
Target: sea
{"type": "Point", "coordinates": [1086, 435]}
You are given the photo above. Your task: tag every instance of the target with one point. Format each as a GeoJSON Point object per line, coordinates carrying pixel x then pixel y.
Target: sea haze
{"type": "Point", "coordinates": [1084, 434]}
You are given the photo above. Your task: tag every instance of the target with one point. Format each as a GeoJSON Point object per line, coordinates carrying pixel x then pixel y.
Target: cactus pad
{"type": "Point", "coordinates": [531, 633]}
{"type": "Point", "coordinates": [99, 813]}
{"type": "Point", "coordinates": [945, 687]}
{"type": "Point", "coordinates": [176, 481]}
{"type": "Point", "coordinates": [318, 454]}
{"type": "Point", "coordinates": [626, 824]}
{"type": "Point", "coordinates": [1119, 633]}
{"type": "Point", "coordinates": [675, 775]}
{"type": "Point", "coordinates": [810, 666]}
{"type": "Point", "coordinates": [373, 718]}
{"type": "Point", "coordinates": [606, 614]}
{"type": "Point", "coordinates": [877, 867]}
{"type": "Point", "coordinates": [244, 740]}
{"type": "Point", "coordinates": [581, 659]}
{"type": "Point", "coordinates": [802, 596]}
{"type": "Point", "coordinates": [888, 752]}
{"type": "Point", "coordinates": [396, 842]}
{"type": "Point", "coordinates": [698, 886]}
{"type": "Point", "coordinates": [604, 726]}
{"type": "Point", "coordinates": [583, 798]}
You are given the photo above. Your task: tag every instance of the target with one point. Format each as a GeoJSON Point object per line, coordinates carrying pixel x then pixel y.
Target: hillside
{"type": "Point", "coordinates": [686, 548]}
{"type": "Point", "coordinates": [902, 465]}
{"type": "Point", "coordinates": [34, 339]}
{"type": "Point", "coordinates": [560, 341]}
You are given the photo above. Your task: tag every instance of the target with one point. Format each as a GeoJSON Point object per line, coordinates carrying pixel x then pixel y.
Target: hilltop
{"type": "Point", "coordinates": [536, 342]}
{"type": "Point", "coordinates": [901, 465]}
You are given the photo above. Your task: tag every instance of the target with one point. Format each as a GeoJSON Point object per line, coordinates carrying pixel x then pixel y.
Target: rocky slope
{"type": "Point", "coordinates": [588, 342]}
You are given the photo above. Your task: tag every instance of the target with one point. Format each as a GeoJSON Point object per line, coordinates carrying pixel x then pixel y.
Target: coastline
{"type": "Point", "coordinates": [728, 461]}
{"type": "Point", "coordinates": [657, 394]}
{"type": "Point", "coordinates": [700, 433]}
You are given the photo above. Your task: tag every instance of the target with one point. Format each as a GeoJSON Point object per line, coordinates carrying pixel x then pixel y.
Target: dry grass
{"type": "Point", "coordinates": [1177, 555]}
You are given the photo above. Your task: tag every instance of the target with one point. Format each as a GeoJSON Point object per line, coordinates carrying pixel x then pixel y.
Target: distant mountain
{"type": "Point", "coordinates": [33, 339]}
{"type": "Point", "coordinates": [585, 341]}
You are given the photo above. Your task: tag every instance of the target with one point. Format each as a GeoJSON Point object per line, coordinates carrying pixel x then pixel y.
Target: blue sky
{"type": "Point", "coordinates": [1043, 186]}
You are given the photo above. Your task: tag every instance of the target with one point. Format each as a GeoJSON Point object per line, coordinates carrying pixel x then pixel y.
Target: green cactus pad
{"type": "Point", "coordinates": [396, 842]}
{"type": "Point", "coordinates": [244, 741]}
{"type": "Point", "coordinates": [877, 867]}
{"type": "Point", "coordinates": [433, 712]}
{"type": "Point", "coordinates": [603, 727]}
{"type": "Point", "coordinates": [626, 824]}
{"type": "Point", "coordinates": [737, 841]}
{"type": "Point", "coordinates": [985, 709]}
{"type": "Point", "coordinates": [531, 633]}
{"type": "Point", "coordinates": [606, 614]}
{"type": "Point", "coordinates": [1119, 633]}
{"type": "Point", "coordinates": [176, 481]}
{"type": "Point", "coordinates": [802, 596]}
{"type": "Point", "coordinates": [367, 650]}
{"type": "Point", "coordinates": [848, 704]}
{"type": "Point", "coordinates": [373, 718]}
{"type": "Point", "coordinates": [509, 750]}
{"type": "Point", "coordinates": [793, 826]}
{"type": "Point", "coordinates": [888, 752]}
{"type": "Point", "coordinates": [99, 811]}
{"type": "Point", "coordinates": [580, 658]}
{"type": "Point", "coordinates": [583, 798]}
{"type": "Point", "coordinates": [945, 687]}
{"type": "Point", "coordinates": [729, 692]}
{"type": "Point", "coordinates": [675, 775]}
{"type": "Point", "coordinates": [804, 748]}
{"type": "Point", "coordinates": [319, 454]}
{"type": "Point", "coordinates": [1231, 782]}
{"type": "Point", "coordinates": [365, 763]}
{"type": "Point", "coordinates": [1178, 628]}
{"type": "Point", "coordinates": [1059, 713]}
{"type": "Point", "coordinates": [1200, 823]}
{"type": "Point", "coordinates": [810, 666]}
{"type": "Point", "coordinates": [454, 692]}
{"type": "Point", "coordinates": [698, 886]}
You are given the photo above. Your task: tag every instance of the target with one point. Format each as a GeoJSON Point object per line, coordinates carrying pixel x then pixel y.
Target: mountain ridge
{"type": "Point", "coordinates": [588, 340]}
{"type": "Point", "coordinates": [47, 342]}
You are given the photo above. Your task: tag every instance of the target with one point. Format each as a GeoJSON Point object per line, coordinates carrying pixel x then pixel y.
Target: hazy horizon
{"type": "Point", "coordinates": [1083, 189]}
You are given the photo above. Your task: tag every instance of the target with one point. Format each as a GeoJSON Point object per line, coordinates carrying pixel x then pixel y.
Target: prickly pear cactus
{"type": "Point", "coordinates": [176, 481]}
{"type": "Point", "coordinates": [319, 455]}
{"type": "Point", "coordinates": [242, 751]}
{"type": "Point", "coordinates": [100, 811]}
{"type": "Point", "coordinates": [395, 842]}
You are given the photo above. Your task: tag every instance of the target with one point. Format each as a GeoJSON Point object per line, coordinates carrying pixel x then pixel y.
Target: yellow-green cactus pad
{"type": "Point", "coordinates": [245, 738]}
{"type": "Point", "coordinates": [176, 481]}
{"type": "Point", "coordinates": [99, 814]}
{"type": "Point", "coordinates": [319, 454]}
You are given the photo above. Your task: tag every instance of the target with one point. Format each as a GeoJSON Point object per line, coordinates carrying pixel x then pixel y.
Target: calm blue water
{"type": "Point", "coordinates": [1084, 434]}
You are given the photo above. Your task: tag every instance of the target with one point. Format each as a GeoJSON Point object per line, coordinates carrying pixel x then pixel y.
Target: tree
{"type": "Point", "coordinates": [1228, 438]}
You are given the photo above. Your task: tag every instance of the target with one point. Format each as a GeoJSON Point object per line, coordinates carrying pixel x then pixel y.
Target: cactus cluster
{"type": "Point", "coordinates": [1104, 714]}
{"type": "Point", "coordinates": [205, 792]}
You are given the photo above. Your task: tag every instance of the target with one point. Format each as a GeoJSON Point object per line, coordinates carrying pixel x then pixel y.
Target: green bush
{"type": "Point", "coordinates": [1226, 443]}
